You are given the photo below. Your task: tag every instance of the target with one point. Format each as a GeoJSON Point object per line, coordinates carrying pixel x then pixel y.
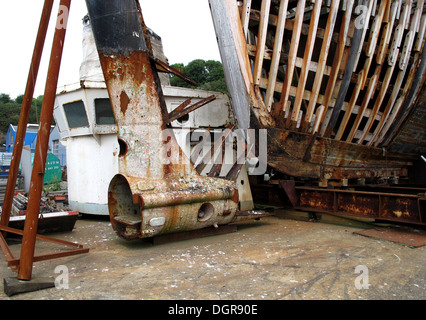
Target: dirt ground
{"type": "Point", "coordinates": [284, 256]}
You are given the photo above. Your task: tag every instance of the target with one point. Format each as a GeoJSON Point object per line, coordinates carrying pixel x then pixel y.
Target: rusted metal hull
{"type": "Point", "coordinates": [340, 98]}
{"type": "Point", "coordinates": [157, 190]}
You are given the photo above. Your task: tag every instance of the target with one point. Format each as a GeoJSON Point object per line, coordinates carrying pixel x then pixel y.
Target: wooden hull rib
{"type": "Point", "coordinates": [339, 85]}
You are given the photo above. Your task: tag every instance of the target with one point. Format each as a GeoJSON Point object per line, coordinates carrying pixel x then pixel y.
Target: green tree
{"type": "Point", "coordinates": [209, 75]}
{"type": "Point", "coordinates": [10, 110]}
{"type": "Point", "coordinates": [19, 99]}
{"type": "Point", "coordinates": [5, 98]}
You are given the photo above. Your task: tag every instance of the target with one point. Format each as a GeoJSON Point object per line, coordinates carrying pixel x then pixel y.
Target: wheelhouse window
{"type": "Point", "coordinates": [103, 112]}
{"type": "Point", "coordinates": [76, 114]}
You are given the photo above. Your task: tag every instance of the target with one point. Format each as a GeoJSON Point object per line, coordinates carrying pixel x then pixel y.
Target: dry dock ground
{"type": "Point", "coordinates": [284, 256]}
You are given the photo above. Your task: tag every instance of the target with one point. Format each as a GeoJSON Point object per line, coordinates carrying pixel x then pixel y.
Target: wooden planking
{"type": "Point", "coordinates": [351, 106]}
{"type": "Point", "coordinates": [276, 56]}
{"type": "Point", "coordinates": [363, 74]}
{"type": "Point", "coordinates": [388, 32]}
{"type": "Point", "coordinates": [320, 70]}
{"type": "Point", "coordinates": [245, 19]}
{"type": "Point", "coordinates": [421, 34]}
{"type": "Point", "coordinates": [313, 66]}
{"type": "Point", "coordinates": [408, 43]}
{"type": "Point", "coordinates": [295, 38]}
{"type": "Point", "coordinates": [330, 122]}
{"type": "Point", "coordinates": [393, 53]}
{"type": "Point", "coordinates": [380, 40]}
{"type": "Point", "coordinates": [374, 36]}
{"type": "Point", "coordinates": [236, 78]}
{"type": "Point", "coordinates": [392, 108]}
{"type": "Point", "coordinates": [389, 107]}
{"type": "Point", "coordinates": [338, 57]}
{"type": "Point", "coordinates": [378, 102]}
{"type": "Point", "coordinates": [309, 47]}
{"type": "Point", "coordinates": [412, 89]}
{"type": "Point", "coordinates": [365, 23]}
{"type": "Point", "coordinates": [361, 112]}
{"type": "Point", "coordinates": [261, 40]}
{"type": "Point", "coordinates": [307, 93]}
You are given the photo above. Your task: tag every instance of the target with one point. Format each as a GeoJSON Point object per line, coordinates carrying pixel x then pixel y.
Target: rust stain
{"type": "Point", "coordinates": [124, 102]}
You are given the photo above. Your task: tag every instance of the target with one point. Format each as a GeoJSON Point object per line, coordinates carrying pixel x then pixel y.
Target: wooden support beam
{"type": "Point", "coordinates": [350, 108]}
{"type": "Point", "coordinates": [374, 36]}
{"type": "Point", "coordinates": [245, 19]}
{"type": "Point", "coordinates": [389, 107]}
{"type": "Point", "coordinates": [338, 57]}
{"type": "Point", "coordinates": [392, 109]}
{"type": "Point", "coordinates": [233, 50]}
{"type": "Point", "coordinates": [361, 112]}
{"type": "Point", "coordinates": [408, 46]}
{"type": "Point", "coordinates": [328, 126]}
{"type": "Point", "coordinates": [276, 55]}
{"type": "Point", "coordinates": [387, 33]}
{"type": "Point", "coordinates": [362, 76]}
{"type": "Point", "coordinates": [309, 47]}
{"type": "Point", "coordinates": [283, 105]}
{"type": "Point", "coordinates": [321, 63]}
{"type": "Point", "coordinates": [261, 40]}
{"type": "Point", "coordinates": [378, 102]}
{"type": "Point", "coordinates": [421, 34]}
{"type": "Point", "coordinates": [399, 32]}
{"type": "Point", "coordinates": [318, 116]}
{"type": "Point", "coordinates": [366, 22]}
{"type": "Point", "coordinates": [289, 25]}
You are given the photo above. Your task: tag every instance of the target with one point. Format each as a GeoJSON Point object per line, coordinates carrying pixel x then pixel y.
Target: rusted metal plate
{"type": "Point", "coordinates": [157, 191]}
{"type": "Point", "coordinates": [358, 204]}
{"type": "Point", "coordinates": [317, 200]}
{"type": "Point", "coordinates": [376, 204]}
{"type": "Point", "coordinates": [406, 236]}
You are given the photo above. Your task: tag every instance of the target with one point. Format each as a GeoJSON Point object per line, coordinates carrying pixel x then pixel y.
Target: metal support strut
{"type": "Point", "coordinates": [24, 265]}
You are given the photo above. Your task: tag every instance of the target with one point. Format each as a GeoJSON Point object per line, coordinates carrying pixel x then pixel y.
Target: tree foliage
{"type": "Point", "coordinates": [10, 110]}
{"type": "Point", "coordinates": [209, 75]}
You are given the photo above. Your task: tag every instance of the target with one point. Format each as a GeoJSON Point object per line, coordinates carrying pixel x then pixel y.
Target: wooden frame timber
{"type": "Point", "coordinates": [338, 80]}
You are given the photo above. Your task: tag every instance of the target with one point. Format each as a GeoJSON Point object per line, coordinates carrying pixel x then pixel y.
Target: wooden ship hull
{"type": "Point", "coordinates": [338, 85]}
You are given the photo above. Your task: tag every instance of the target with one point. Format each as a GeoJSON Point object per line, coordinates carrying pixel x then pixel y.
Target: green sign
{"type": "Point", "coordinates": [53, 171]}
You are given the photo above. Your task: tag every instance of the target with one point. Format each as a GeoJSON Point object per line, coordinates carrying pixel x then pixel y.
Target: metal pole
{"type": "Point", "coordinates": [25, 112]}
{"type": "Point", "coordinates": [37, 176]}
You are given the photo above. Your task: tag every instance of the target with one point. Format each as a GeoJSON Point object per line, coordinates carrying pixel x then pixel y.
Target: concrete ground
{"type": "Point", "coordinates": [279, 257]}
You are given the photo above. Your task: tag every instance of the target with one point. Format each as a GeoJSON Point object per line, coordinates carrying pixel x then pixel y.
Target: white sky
{"type": "Point", "coordinates": [185, 27]}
